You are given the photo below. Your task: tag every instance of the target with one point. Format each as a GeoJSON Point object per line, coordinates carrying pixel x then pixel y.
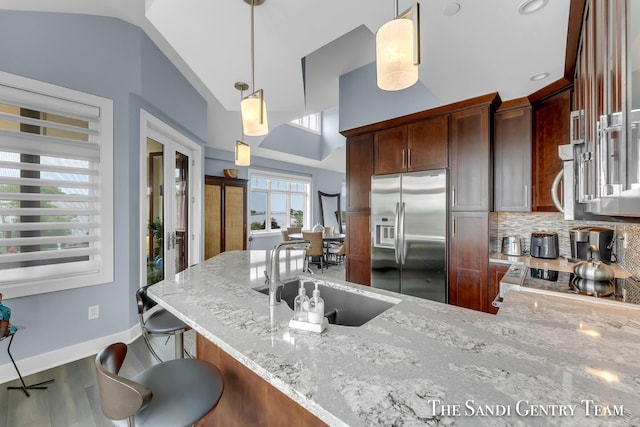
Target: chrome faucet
{"type": "Point", "coordinates": [273, 278]}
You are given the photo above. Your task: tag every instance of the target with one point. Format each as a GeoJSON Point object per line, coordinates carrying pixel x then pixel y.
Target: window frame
{"type": "Point", "coordinates": [281, 176]}
{"type": "Point", "coordinates": [305, 123]}
{"type": "Point", "coordinates": [41, 95]}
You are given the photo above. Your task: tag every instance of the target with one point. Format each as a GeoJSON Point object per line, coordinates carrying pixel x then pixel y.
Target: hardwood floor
{"type": "Point", "coordinates": [72, 399]}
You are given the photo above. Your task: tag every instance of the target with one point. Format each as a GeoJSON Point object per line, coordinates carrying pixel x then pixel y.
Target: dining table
{"type": "Point", "coordinates": [326, 237]}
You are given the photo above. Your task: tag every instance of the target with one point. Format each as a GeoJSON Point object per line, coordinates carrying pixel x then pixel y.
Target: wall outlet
{"type": "Point", "coordinates": [94, 312]}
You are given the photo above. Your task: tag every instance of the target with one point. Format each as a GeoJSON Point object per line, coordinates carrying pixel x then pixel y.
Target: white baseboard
{"type": "Point", "coordinates": [61, 356]}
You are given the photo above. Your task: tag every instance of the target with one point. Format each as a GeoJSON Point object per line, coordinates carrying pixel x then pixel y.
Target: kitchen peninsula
{"type": "Point", "coordinates": [542, 360]}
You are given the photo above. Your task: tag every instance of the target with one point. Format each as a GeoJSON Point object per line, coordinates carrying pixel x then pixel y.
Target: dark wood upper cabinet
{"type": "Point", "coordinates": [428, 144]}
{"type": "Point", "coordinates": [390, 150]}
{"type": "Point", "coordinates": [512, 159]}
{"type": "Point", "coordinates": [551, 124]}
{"type": "Point", "coordinates": [359, 170]}
{"type": "Point", "coordinates": [418, 146]}
{"type": "Point", "coordinates": [470, 160]}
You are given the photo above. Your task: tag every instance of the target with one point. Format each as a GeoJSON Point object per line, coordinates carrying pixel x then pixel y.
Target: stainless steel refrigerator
{"type": "Point", "coordinates": [409, 233]}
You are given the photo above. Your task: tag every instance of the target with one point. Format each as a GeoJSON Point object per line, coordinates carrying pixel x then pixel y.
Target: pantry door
{"type": "Point", "coordinates": [171, 210]}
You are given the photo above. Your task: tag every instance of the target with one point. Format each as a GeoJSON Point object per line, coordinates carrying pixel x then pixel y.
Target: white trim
{"type": "Point", "coordinates": [62, 356]}
{"type": "Point", "coordinates": [152, 127]}
{"type": "Point", "coordinates": [290, 177]}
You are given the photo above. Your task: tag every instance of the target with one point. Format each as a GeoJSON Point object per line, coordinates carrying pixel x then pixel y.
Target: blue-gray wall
{"type": "Point", "coordinates": [363, 103]}
{"type": "Point", "coordinates": [113, 59]}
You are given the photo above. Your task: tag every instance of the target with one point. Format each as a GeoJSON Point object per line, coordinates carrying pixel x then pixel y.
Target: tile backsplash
{"type": "Point", "coordinates": [523, 224]}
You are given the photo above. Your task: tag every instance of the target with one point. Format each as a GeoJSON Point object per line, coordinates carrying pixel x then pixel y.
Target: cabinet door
{"type": "Point", "coordinates": [469, 147]}
{"type": "Point", "coordinates": [358, 248]}
{"type": "Point", "coordinates": [512, 160]}
{"type": "Point", "coordinates": [234, 225]}
{"type": "Point", "coordinates": [428, 144]}
{"type": "Point", "coordinates": [225, 215]}
{"type": "Point", "coordinates": [390, 150]}
{"type": "Point", "coordinates": [551, 129]}
{"type": "Point", "coordinates": [359, 170]}
{"type": "Point", "coordinates": [212, 220]}
{"type": "Point", "coordinates": [496, 272]}
{"type": "Point", "coordinates": [469, 259]}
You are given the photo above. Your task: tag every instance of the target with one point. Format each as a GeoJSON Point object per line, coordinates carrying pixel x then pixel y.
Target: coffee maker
{"type": "Point", "coordinates": [602, 238]}
{"type": "Point", "coordinates": [579, 241]}
{"type": "Point", "coordinates": [581, 238]}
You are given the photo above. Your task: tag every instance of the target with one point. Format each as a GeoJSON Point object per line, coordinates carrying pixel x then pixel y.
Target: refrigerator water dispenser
{"type": "Point", "coordinates": [384, 236]}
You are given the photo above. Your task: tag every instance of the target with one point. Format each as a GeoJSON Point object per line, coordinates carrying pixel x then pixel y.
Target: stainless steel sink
{"type": "Point", "coordinates": [341, 306]}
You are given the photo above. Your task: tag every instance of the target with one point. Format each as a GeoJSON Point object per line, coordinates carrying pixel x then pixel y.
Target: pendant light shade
{"type": "Point", "coordinates": [398, 50]}
{"type": "Point", "coordinates": [243, 151]}
{"type": "Point", "coordinates": [243, 154]}
{"type": "Point", "coordinates": [254, 115]}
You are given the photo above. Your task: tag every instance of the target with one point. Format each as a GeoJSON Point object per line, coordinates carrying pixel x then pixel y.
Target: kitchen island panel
{"type": "Point", "coordinates": [248, 400]}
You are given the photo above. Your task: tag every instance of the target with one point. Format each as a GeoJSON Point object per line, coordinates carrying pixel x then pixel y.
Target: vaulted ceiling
{"type": "Point", "coordinates": [487, 46]}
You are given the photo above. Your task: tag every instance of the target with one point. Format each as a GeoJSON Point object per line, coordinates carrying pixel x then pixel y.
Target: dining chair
{"type": "Point", "coordinates": [316, 249]}
{"type": "Point", "coordinates": [285, 235]}
{"type": "Point", "coordinates": [159, 322]}
{"type": "Point", "coordinates": [294, 230]}
{"type": "Point", "coordinates": [179, 392]}
{"type": "Point", "coordinates": [337, 252]}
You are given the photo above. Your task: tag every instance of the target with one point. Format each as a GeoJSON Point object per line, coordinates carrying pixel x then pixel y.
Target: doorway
{"type": "Point", "coordinates": [170, 209]}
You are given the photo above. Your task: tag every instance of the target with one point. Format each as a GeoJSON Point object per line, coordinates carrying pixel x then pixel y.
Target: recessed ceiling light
{"type": "Point", "coordinates": [531, 6]}
{"type": "Point", "coordinates": [540, 76]}
{"type": "Point", "coordinates": [451, 9]}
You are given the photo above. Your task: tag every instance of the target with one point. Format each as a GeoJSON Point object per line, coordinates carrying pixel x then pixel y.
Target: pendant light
{"type": "Point", "coordinates": [398, 50]}
{"type": "Point", "coordinates": [254, 109]}
{"type": "Point", "coordinates": [243, 150]}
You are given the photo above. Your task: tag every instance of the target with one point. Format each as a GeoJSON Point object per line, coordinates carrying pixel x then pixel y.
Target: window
{"type": "Point", "coordinates": [56, 189]}
{"type": "Point", "coordinates": [311, 123]}
{"type": "Point", "coordinates": [278, 201]}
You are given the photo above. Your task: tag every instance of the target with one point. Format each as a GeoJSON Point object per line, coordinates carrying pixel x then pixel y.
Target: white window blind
{"type": "Point", "coordinates": [56, 191]}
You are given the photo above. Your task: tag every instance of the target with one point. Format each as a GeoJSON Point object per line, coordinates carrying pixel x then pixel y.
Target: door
{"type": "Point", "coordinates": [385, 216]}
{"type": "Point", "coordinates": [424, 234]}
{"type": "Point", "coordinates": [167, 205]}
{"type": "Point", "coordinates": [170, 206]}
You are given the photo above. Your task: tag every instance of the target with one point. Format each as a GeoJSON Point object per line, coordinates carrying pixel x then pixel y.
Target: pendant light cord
{"type": "Point", "coordinates": [253, 84]}
{"type": "Point", "coordinates": [395, 14]}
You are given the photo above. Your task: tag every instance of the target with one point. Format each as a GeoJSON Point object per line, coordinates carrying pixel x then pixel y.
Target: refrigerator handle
{"type": "Point", "coordinates": [403, 249]}
{"type": "Point", "coordinates": [397, 234]}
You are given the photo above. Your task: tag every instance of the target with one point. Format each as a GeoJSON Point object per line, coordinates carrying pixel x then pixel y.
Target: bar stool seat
{"type": "Point", "coordinates": [159, 321]}
{"type": "Point", "coordinates": [176, 393]}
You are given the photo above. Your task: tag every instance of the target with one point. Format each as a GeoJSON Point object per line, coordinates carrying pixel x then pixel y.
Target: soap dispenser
{"type": "Point", "coordinates": [301, 305]}
{"type": "Point", "coordinates": [316, 307]}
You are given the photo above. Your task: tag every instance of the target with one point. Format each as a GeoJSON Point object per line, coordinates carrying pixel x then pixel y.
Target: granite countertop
{"type": "Point", "coordinates": [542, 360]}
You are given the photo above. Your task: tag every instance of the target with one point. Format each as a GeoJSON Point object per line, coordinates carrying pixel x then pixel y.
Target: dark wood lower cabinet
{"type": "Point", "coordinates": [496, 271]}
{"type": "Point", "coordinates": [358, 241]}
{"type": "Point", "coordinates": [469, 260]}
{"type": "Point", "coordinates": [247, 399]}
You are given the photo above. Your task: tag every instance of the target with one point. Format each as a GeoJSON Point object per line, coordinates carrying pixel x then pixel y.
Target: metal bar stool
{"type": "Point", "coordinates": [159, 322]}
